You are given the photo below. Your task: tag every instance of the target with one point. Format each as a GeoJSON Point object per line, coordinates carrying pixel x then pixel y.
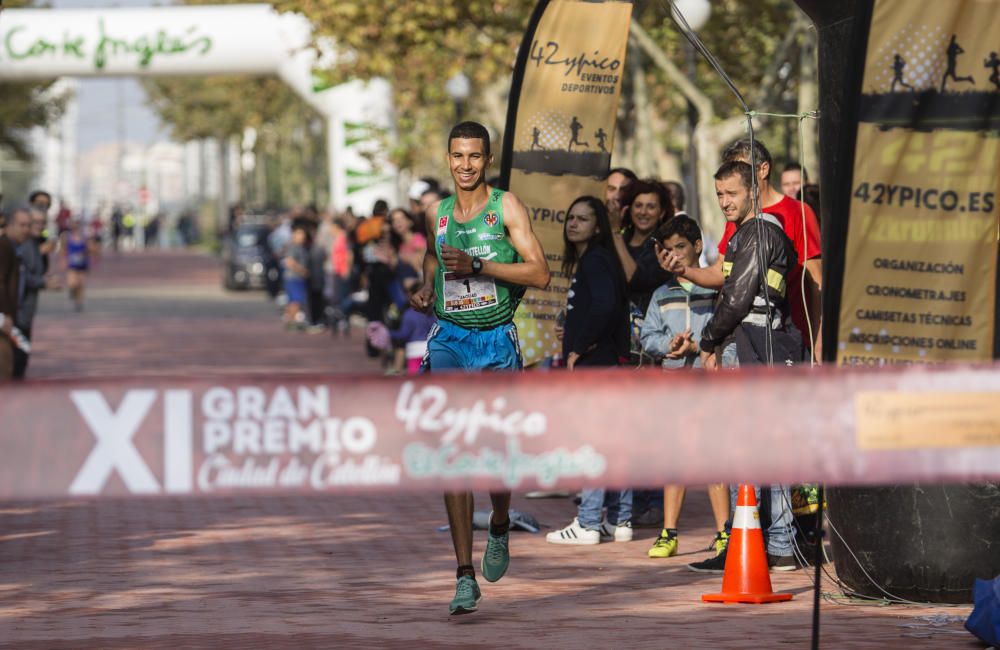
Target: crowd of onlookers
{"type": "Point", "coordinates": [646, 286]}
{"type": "Point", "coordinates": [30, 256]}
{"type": "Point", "coordinates": [344, 272]}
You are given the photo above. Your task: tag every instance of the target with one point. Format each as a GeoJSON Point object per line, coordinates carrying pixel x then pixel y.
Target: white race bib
{"type": "Point", "coordinates": [468, 292]}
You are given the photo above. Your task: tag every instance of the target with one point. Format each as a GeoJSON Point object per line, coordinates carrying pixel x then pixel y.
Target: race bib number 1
{"type": "Point", "coordinates": [468, 292]}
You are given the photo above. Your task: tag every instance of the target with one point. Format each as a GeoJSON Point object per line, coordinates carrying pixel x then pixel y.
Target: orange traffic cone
{"type": "Point", "coordinates": [746, 579]}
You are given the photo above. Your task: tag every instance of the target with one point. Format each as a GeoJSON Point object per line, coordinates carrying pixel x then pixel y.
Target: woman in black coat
{"type": "Point", "coordinates": [596, 329]}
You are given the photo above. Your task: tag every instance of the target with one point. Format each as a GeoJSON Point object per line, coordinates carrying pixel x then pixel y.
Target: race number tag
{"type": "Point", "coordinates": [468, 292]}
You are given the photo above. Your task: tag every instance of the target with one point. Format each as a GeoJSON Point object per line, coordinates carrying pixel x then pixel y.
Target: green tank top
{"type": "Point", "coordinates": [478, 301]}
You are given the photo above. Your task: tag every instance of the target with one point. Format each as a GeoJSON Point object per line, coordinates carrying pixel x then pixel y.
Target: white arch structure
{"type": "Point", "coordinates": [206, 40]}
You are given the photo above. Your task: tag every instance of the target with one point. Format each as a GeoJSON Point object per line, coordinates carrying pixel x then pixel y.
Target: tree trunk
{"type": "Point", "coordinates": [222, 206]}
{"type": "Point", "coordinates": [645, 140]}
{"type": "Point", "coordinates": [809, 101]}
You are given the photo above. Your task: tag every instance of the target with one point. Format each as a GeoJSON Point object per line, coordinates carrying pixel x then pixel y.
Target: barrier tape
{"type": "Point", "coordinates": [489, 431]}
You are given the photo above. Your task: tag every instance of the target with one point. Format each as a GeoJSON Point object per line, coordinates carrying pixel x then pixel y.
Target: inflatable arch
{"type": "Point", "coordinates": [208, 40]}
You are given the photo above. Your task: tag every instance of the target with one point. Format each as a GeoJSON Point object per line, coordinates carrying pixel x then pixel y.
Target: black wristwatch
{"type": "Point", "coordinates": [477, 265]}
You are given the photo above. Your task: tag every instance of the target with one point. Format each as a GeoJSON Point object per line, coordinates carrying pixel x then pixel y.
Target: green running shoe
{"type": "Point", "coordinates": [720, 542]}
{"type": "Point", "coordinates": [496, 559]}
{"type": "Point", "coordinates": [467, 596]}
{"type": "Point", "coordinates": [664, 546]}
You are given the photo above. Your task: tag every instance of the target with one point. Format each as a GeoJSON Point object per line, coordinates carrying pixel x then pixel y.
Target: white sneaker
{"type": "Point", "coordinates": [620, 533]}
{"type": "Point", "coordinates": [574, 534]}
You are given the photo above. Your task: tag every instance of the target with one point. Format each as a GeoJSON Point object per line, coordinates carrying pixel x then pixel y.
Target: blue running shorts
{"type": "Point", "coordinates": [295, 289]}
{"type": "Point", "coordinates": [451, 347]}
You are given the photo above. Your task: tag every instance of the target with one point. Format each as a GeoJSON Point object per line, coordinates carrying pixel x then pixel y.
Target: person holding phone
{"type": "Point", "coordinates": [671, 333]}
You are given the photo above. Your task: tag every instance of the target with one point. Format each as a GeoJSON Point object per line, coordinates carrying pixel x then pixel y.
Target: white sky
{"type": "Point", "coordinates": [102, 101]}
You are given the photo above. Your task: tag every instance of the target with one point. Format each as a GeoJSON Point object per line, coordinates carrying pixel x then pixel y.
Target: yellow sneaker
{"type": "Point", "coordinates": [720, 542]}
{"type": "Point", "coordinates": [664, 546]}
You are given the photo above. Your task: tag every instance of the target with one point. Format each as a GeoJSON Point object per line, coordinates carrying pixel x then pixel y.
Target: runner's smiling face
{"type": "Point", "coordinates": [468, 162]}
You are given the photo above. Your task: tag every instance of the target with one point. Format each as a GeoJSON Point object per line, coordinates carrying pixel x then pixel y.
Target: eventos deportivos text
{"type": "Point", "coordinates": [904, 196]}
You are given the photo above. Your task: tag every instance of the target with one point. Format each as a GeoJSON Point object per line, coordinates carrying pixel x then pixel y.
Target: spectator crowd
{"type": "Point", "coordinates": [646, 287]}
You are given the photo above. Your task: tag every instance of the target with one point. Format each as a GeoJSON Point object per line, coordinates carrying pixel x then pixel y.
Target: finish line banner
{"type": "Point", "coordinates": [921, 258]}
{"type": "Point", "coordinates": [498, 431]}
{"type": "Point", "coordinates": [560, 134]}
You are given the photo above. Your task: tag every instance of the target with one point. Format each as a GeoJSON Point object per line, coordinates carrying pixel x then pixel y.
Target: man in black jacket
{"type": "Point", "coordinates": [753, 308]}
{"type": "Point", "coordinates": [14, 230]}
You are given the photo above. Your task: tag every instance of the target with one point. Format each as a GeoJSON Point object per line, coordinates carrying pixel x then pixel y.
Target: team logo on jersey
{"type": "Point", "coordinates": [442, 223]}
{"type": "Point", "coordinates": [491, 219]}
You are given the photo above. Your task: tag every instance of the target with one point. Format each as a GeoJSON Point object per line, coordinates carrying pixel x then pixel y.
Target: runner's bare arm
{"type": "Point", "coordinates": [534, 270]}
{"type": "Point", "coordinates": [423, 298]}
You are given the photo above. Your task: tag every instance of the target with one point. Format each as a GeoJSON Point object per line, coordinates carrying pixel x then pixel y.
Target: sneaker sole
{"type": "Point", "coordinates": [784, 569]}
{"type": "Point", "coordinates": [466, 610]}
{"type": "Point", "coordinates": [700, 570]}
{"type": "Point", "coordinates": [572, 542]}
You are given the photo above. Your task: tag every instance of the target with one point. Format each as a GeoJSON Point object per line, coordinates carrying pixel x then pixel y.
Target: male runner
{"type": "Point", "coordinates": [484, 255]}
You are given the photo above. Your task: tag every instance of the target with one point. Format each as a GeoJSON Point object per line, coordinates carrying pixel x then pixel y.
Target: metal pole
{"type": "Point", "coordinates": [691, 205]}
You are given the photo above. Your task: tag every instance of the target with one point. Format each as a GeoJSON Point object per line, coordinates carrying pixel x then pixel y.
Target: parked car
{"type": "Point", "coordinates": [247, 259]}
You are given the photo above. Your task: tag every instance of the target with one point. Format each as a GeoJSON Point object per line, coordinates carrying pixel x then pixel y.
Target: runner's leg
{"type": "Point", "coordinates": [501, 510]}
{"type": "Point", "coordinates": [459, 506]}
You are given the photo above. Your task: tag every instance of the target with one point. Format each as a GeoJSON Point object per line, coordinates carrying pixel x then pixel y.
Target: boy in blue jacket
{"type": "Point", "coordinates": [678, 311]}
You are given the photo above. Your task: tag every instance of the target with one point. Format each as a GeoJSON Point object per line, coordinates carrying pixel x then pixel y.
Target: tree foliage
{"type": "Point", "coordinates": [218, 106]}
{"type": "Point", "coordinates": [743, 36]}
{"type": "Point", "coordinates": [26, 105]}
{"type": "Point", "coordinates": [290, 156]}
{"type": "Point", "coordinates": [418, 45]}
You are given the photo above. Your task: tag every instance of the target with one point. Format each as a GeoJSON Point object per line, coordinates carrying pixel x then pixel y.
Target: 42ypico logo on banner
{"type": "Point", "coordinates": [312, 438]}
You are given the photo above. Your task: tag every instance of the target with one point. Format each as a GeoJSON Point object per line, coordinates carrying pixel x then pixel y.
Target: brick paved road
{"type": "Point", "coordinates": [166, 314]}
{"type": "Point", "coordinates": [340, 571]}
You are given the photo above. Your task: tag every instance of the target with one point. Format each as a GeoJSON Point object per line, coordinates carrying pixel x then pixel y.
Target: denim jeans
{"type": "Point", "coordinates": [779, 534]}
{"type": "Point", "coordinates": [618, 503]}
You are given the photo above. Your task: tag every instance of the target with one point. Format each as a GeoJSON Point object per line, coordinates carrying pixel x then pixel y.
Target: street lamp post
{"type": "Point", "coordinates": [696, 13]}
{"type": "Point", "coordinates": [458, 88]}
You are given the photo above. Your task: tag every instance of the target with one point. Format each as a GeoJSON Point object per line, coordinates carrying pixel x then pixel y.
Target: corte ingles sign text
{"type": "Point", "coordinates": [19, 44]}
